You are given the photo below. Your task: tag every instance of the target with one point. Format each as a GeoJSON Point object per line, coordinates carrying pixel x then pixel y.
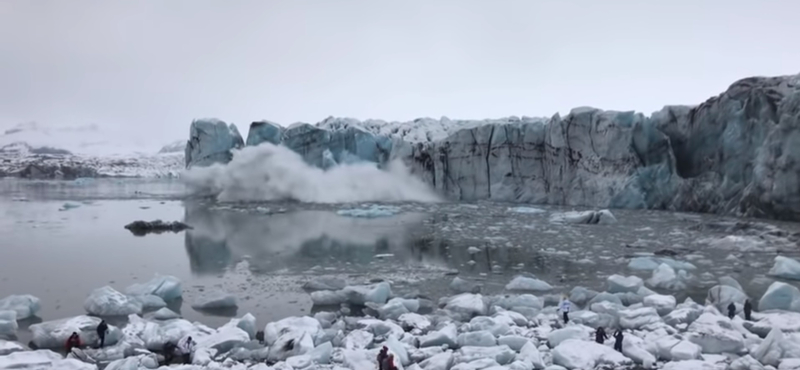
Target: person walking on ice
{"type": "Point", "coordinates": [565, 306]}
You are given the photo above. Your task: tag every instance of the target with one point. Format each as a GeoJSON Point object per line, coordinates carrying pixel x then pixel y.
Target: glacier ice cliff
{"type": "Point", "coordinates": [211, 141]}
{"type": "Point", "coordinates": [737, 153]}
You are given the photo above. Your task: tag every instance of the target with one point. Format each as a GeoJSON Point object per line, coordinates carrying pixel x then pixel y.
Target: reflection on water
{"type": "Point", "coordinates": [296, 240]}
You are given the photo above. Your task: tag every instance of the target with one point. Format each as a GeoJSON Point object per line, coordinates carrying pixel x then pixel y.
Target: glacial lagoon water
{"type": "Point", "coordinates": [61, 240]}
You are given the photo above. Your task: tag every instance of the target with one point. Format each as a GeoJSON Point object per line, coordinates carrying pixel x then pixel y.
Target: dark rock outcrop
{"type": "Point", "coordinates": [142, 228]}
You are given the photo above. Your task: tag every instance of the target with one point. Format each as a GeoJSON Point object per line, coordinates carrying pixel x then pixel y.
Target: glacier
{"type": "Point", "coordinates": [736, 153]}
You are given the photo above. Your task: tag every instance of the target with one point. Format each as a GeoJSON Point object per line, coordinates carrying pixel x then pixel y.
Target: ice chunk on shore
{"type": "Point", "coordinates": [664, 277]}
{"type": "Point", "coordinates": [106, 301]}
{"type": "Point", "coordinates": [165, 286]}
{"type": "Point", "coordinates": [303, 324]}
{"type": "Point", "coordinates": [531, 354]}
{"type": "Point", "coordinates": [7, 346]}
{"type": "Point", "coordinates": [215, 301]}
{"type": "Point", "coordinates": [146, 361]}
{"type": "Point", "coordinates": [715, 334]}
{"type": "Point", "coordinates": [24, 305]}
{"type": "Point", "coordinates": [664, 304]}
{"type": "Point", "coordinates": [224, 339]}
{"type": "Point", "coordinates": [445, 336]}
{"type": "Point", "coordinates": [481, 338]}
{"type": "Point", "coordinates": [373, 211]}
{"type": "Point", "coordinates": [723, 295]}
{"type": "Point", "coordinates": [165, 314]}
{"type": "Point", "coordinates": [467, 304]}
{"type": "Point", "coordinates": [745, 363]}
{"type": "Point", "coordinates": [786, 268]}
{"type": "Point", "coordinates": [779, 296]}
{"type": "Point", "coordinates": [623, 284]}
{"type": "Point", "coordinates": [556, 337]}
{"type": "Point", "coordinates": [684, 313]}
{"type": "Point", "coordinates": [53, 334]}
{"type": "Point", "coordinates": [246, 323]}
{"type": "Point", "coordinates": [689, 365]}
{"type": "Point", "coordinates": [788, 322]}
{"type": "Point", "coordinates": [580, 354]}
{"type": "Point", "coordinates": [637, 318]}
{"type": "Point", "coordinates": [42, 359]}
{"type": "Point", "coordinates": [776, 346]}
{"type": "Point", "coordinates": [412, 320]}
{"type": "Point", "coordinates": [8, 324]}
{"type": "Point", "coordinates": [523, 283]}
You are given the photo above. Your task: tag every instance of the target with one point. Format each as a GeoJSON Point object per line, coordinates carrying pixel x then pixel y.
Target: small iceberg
{"type": "Point", "coordinates": [373, 211]}
{"type": "Point", "coordinates": [529, 210]}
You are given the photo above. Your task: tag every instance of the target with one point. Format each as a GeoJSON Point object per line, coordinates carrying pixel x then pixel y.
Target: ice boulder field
{"type": "Point", "coordinates": [511, 330]}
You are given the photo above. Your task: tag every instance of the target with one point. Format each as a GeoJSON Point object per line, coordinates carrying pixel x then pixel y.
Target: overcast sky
{"type": "Point", "coordinates": [155, 65]}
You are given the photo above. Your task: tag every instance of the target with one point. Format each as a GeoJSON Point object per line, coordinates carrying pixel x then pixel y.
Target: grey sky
{"type": "Point", "coordinates": [158, 64]}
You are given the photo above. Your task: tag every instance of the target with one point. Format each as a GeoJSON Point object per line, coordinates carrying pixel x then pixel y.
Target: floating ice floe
{"type": "Point", "coordinates": [528, 210]}
{"type": "Point", "coordinates": [215, 300]}
{"type": "Point", "coordinates": [780, 296]}
{"type": "Point", "coordinates": [106, 301]}
{"type": "Point", "coordinates": [373, 211]}
{"type": "Point", "coordinates": [786, 268]}
{"type": "Point", "coordinates": [24, 305]}
{"type": "Point", "coordinates": [652, 263]}
{"type": "Point", "coordinates": [602, 217]}
{"type": "Point", "coordinates": [165, 286]}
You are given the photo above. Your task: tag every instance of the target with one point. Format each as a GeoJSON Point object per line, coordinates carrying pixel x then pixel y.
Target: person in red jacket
{"type": "Point", "coordinates": [74, 341]}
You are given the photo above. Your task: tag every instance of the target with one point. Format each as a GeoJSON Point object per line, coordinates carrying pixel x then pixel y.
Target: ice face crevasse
{"type": "Point", "coordinates": [736, 153]}
{"type": "Point", "coordinates": [211, 141]}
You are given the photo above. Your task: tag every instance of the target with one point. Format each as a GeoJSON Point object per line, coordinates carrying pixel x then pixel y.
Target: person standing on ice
{"type": "Point", "coordinates": [382, 355]}
{"type": "Point", "coordinates": [565, 306]}
{"type": "Point", "coordinates": [748, 309]}
{"type": "Point", "coordinates": [102, 329]}
{"type": "Point", "coordinates": [186, 345]}
{"type": "Point", "coordinates": [731, 310]}
{"type": "Point", "coordinates": [600, 335]}
{"type": "Point", "coordinates": [618, 341]}
{"type": "Point", "coordinates": [74, 341]}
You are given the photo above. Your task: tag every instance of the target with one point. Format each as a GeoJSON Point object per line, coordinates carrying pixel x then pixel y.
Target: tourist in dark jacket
{"type": "Point", "coordinates": [748, 309]}
{"type": "Point", "coordinates": [102, 329]}
{"type": "Point", "coordinates": [618, 343]}
{"type": "Point", "coordinates": [169, 352]}
{"type": "Point", "coordinates": [600, 335]}
{"type": "Point", "coordinates": [74, 341]}
{"type": "Point", "coordinates": [382, 355]}
{"type": "Point", "coordinates": [731, 310]}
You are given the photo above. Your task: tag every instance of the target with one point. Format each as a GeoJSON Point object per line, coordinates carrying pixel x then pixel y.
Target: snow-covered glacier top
{"type": "Point", "coordinates": [420, 129]}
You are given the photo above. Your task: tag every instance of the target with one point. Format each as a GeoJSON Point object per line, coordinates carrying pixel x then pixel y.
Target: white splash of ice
{"type": "Point", "coordinates": [268, 172]}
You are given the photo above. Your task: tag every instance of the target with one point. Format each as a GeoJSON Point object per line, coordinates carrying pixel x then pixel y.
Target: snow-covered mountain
{"type": "Point", "coordinates": [34, 150]}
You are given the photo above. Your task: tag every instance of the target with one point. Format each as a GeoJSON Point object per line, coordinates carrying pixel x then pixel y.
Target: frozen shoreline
{"type": "Point", "coordinates": [516, 330]}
